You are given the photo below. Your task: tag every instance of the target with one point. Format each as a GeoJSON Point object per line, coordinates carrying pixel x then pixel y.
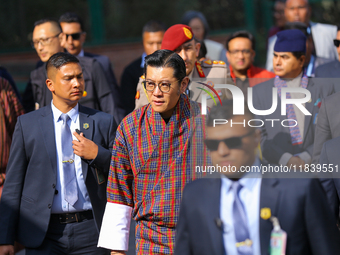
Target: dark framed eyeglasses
{"type": "Point", "coordinates": [75, 36]}
{"type": "Point", "coordinates": [43, 41]}
{"type": "Point", "coordinates": [336, 43]}
{"type": "Point", "coordinates": [232, 142]}
{"type": "Point", "coordinates": [163, 86]}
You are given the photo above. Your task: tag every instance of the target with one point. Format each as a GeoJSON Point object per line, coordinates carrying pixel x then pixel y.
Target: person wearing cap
{"type": "Point", "coordinates": [154, 156]}
{"type": "Point", "coordinates": [322, 34]}
{"type": "Point", "coordinates": [180, 39]}
{"type": "Point", "coordinates": [289, 140]}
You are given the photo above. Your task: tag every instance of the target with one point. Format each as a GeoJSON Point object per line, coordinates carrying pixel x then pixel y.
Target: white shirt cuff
{"type": "Point", "coordinates": [285, 158]}
{"type": "Point", "coordinates": [114, 233]}
{"type": "Point", "coordinates": [305, 157]}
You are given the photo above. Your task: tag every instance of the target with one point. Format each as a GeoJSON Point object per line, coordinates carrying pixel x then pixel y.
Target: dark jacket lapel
{"type": "Point", "coordinates": [215, 227]}
{"type": "Point", "coordinates": [86, 127]}
{"type": "Point", "coordinates": [269, 198]}
{"type": "Point", "coordinates": [47, 131]}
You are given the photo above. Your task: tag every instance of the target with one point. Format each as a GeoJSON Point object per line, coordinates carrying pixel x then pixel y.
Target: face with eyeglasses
{"type": "Point", "coordinates": [73, 37]}
{"type": "Point", "coordinates": [46, 40]}
{"type": "Point", "coordinates": [232, 145]}
{"type": "Point", "coordinates": [240, 54]}
{"type": "Point", "coordinates": [163, 89]}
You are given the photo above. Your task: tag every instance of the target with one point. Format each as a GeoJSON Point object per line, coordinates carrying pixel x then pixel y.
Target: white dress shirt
{"type": "Point", "coordinates": [60, 205]}
{"type": "Point", "coordinates": [250, 197]}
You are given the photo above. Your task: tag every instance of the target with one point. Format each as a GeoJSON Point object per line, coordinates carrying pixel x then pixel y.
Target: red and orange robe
{"type": "Point", "coordinates": [151, 163]}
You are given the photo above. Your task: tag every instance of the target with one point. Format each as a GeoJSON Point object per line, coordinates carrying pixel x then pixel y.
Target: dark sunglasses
{"type": "Point", "coordinates": [232, 142]}
{"type": "Point", "coordinates": [75, 36]}
{"type": "Point", "coordinates": [336, 43]}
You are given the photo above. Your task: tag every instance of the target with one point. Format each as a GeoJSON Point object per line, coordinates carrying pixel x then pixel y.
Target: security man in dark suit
{"type": "Point", "coordinates": [239, 212]}
{"type": "Point", "coordinates": [74, 37]}
{"type": "Point", "coordinates": [47, 37]}
{"type": "Point", "coordinates": [55, 191]}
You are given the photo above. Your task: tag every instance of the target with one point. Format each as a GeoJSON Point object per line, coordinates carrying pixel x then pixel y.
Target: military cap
{"type": "Point", "coordinates": [175, 36]}
{"type": "Point", "coordinates": [292, 40]}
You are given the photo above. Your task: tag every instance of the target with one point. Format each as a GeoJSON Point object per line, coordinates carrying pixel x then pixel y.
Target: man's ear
{"type": "Point", "coordinates": [50, 85]}
{"type": "Point", "coordinates": [253, 54]}
{"type": "Point", "coordinates": [83, 37]}
{"type": "Point", "coordinates": [62, 39]}
{"type": "Point", "coordinates": [197, 47]}
{"type": "Point", "coordinates": [227, 54]}
{"type": "Point", "coordinates": [184, 84]}
{"type": "Point", "coordinates": [302, 59]}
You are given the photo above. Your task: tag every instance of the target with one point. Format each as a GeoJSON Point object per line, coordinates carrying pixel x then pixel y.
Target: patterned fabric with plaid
{"type": "Point", "coordinates": [151, 163]}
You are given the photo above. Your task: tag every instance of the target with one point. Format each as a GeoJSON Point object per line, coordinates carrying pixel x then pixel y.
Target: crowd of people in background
{"type": "Point", "coordinates": [81, 156]}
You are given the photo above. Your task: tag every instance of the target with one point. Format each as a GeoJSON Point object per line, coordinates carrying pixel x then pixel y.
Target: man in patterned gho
{"type": "Point", "coordinates": [155, 153]}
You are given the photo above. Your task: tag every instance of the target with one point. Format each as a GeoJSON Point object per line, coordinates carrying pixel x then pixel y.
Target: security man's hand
{"type": "Point", "coordinates": [84, 147]}
{"type": "Point", "coordinates": [6, 250]}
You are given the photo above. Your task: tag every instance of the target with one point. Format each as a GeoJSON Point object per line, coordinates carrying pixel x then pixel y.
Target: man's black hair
{"type": "Point", "coordinates": [242, 34]}
{"type": "Point", "coordinates": [203, 50]}
{"type": "Point", "coordinates": [48, 20]}
{"type": "Point", "coordinates": [154, 26]}
{"type": "Point", "coordinates": [298, 54]}
{"type": "Point", "coordinates": [60, 59]}
{"type": "Point", "coordinates": [225, 111]}
{"type": "Point", "coordinates": [167, 58]}
{"type": "Point", "coordinates": [70, 17]}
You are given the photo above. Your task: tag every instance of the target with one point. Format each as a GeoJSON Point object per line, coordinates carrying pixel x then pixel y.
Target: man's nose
{"type": "Point", "coordinates": [69, 39]}
{"type": "Point", "coordinates": [183, 54]}
{"type": "Point", "coordinates": [157, 91]}
{"type": "Point", "coordinates": [155, 47]}
{"type": "Point", "coordinates": [223, 149]}
{"type": "Point", "coordinates": [277, 61]}
{"type": "Point", "coordinates": [40, 46]}
{"type": "Point", "coordinates": [77, 82]}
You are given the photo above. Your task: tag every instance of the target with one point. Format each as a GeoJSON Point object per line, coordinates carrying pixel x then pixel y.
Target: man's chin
{"type": "Point", "coordinates": [233, 175]}
{"type": "Point", "coordinates": [188, 71]}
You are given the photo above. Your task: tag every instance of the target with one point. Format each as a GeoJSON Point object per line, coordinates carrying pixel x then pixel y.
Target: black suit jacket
{"type": "Point", "coordinates": [328, 124]}
{"type": "Point", "coordinates": [105, 62]}
{"type": "Point", "coordinates": [275, 141]}
{"type": "Point", "coordinates": [299, 204]}
{"type": "Point", "coordinates": [25, 206]}
{"type": "Point", "coordinates": [329, 157]}
{"type": "Point", "coordinates": [129, 81]}
{"type": "Point", "coordinates": [329, 70]}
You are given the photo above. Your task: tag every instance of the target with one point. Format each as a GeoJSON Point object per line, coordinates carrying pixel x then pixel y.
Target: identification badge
{"type": "Point", "coordinates": [278, 239]}
{"type": "Point", "coordinates": [100, 177]}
